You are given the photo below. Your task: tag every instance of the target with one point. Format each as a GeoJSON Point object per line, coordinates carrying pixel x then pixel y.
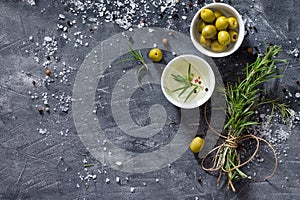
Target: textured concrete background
{"type": "Point", "coordinates": [42, 156]}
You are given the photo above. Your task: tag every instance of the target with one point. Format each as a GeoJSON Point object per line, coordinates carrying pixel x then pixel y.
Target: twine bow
{"type": "Point", "coordinates": [231, 142]}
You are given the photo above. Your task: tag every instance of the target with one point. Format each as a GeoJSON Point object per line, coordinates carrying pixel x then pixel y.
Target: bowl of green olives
{"type": "Point", "coordinates": [217, 30]}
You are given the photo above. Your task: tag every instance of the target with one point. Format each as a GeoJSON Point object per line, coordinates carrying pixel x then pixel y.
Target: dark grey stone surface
{"type": "Point", "coordinates": [42, 156]}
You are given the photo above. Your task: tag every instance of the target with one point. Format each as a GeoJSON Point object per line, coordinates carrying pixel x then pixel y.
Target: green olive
{"type": "Point", "coordinates": [207, 15]}
{"type": "Point", "coordinates": [209, 31]}
{"type": "Point", "coordinates": [233, 23]}
{"type": "Point", "coordinates": [201, 25]}
{"type": "Point", "coordinates": [233, 36]}
{"type": "Point", "coordinates": [221, 23]}
{"type": "Point", "coordinates": [204, 41]}
{"type": "Point", "coordinates": [224, 37]}
{"type": "Point", "coordinates": [218, 14]}
{"type": "Point", "coordinates": [217, 47]}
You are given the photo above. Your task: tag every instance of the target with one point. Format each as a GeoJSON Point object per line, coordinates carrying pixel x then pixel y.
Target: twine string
{"type": "Point", "coordinates": [231, 142]}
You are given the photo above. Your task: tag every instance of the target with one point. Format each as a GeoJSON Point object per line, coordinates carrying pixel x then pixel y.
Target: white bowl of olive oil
{"type": "Point", "coordinates": [188, 81]}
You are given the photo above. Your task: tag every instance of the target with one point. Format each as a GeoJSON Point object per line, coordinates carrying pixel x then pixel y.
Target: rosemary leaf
{"type": "Point", "coordinates": [183, 91]}
{"type": "Point", "coordinates": [191, 92]}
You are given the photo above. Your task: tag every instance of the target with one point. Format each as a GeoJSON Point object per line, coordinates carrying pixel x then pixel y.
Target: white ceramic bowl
{"type": "Point", "coordinates": [199, 67]}
{"type": "Point", "coordinates": [228, 11]}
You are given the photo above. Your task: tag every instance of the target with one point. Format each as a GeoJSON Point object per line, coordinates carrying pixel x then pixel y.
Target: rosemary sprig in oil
{"type": "Point", "coordinates": [187, 84]}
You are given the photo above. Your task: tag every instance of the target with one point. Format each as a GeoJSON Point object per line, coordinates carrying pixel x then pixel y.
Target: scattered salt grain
{"type": "Point", "coordinates": [48, 39]}
{"type": "Point", "coordinates": [31, 2]}
{"type": "Point", "coordinates": [118, 179]}
{"type": "Point", "coordinates": [42, 131]}
{"type": "Point", "coordinates": [118, 163]}
{"type": "Point", "coordinates": [132, 190]}
{"type": "Point", "coordinates": [61, 16]}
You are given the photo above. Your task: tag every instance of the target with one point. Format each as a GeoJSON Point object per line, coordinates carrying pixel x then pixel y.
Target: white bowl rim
{"type": "Point", "coordinates": [238, 43]}
{"type": "Point", "coordinates": [200, 101]}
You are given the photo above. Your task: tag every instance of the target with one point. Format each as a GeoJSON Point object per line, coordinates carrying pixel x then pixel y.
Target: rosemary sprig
{"type": "Point", "coordinates": [187, 84]}
{"type": "Point", "coordinates": [242, 100]}
{"type": "Point", "coordinates": [88, 165]}
{"type": "Point", "coordinates": [137, 55]}
{"type": "Point", "coordinates": [243, 97]}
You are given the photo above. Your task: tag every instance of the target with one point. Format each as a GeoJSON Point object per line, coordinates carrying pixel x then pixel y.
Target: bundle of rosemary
{"type": "Point", "coordinates": [242, 100]}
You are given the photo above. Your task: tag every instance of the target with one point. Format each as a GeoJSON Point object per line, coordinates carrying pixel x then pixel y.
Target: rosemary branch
{"type": "Point", "coordinates": [137, 55]}
{"type": "Point", "coordinates": [242, 100]}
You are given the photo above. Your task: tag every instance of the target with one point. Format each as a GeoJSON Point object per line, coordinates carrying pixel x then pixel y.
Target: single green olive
{"type": "Point", "coordinates": [233, 23]}
{"type": "Point", "coordinates": [233, 36]}
{"type": "Point", "coordinates": [205, 41]}
{"type": "Point", "coordinates": [207, 15]}
{"type": "Point", "coordinates": [218, 14]}
{"type": "Point", "coordinates": [224, 38]}
{"type": "Point", "coordinates": [221, 23]}
{"type": "Point", "coordinates": [209, 31]}
{"type": "Point", "coordinates": [217, 47]}
{"type": "Point", "coordinates": [201, 25]}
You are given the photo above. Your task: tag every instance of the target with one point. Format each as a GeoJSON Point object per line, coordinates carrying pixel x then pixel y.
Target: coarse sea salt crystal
{"type": "Point", "coordinates": [61, 16]}
{"type": "Point", "coordinates": [297, 95]}
{"type": "Point", "coordinates": [31, 2]}
{"type": "Point", "coordinates": [132, 189]}
{"type": "Point", "coordinates": [118, 163]}
{"type": "Point", "coordinates": [184, 17]}
{"type": "Point", "coordinates": [42, 131]}
{"type": "Point", "coordinates": [48, 39]}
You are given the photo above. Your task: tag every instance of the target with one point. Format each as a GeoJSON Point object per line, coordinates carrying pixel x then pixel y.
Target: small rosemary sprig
{"type": "Point", "coordinates": [137, 55]}
{"type": "Point", "coordinates": [187, 83]}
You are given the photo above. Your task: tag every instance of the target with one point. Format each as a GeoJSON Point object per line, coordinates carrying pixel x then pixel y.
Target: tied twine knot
{"type": "Point", "coordinates": [232, 142]}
